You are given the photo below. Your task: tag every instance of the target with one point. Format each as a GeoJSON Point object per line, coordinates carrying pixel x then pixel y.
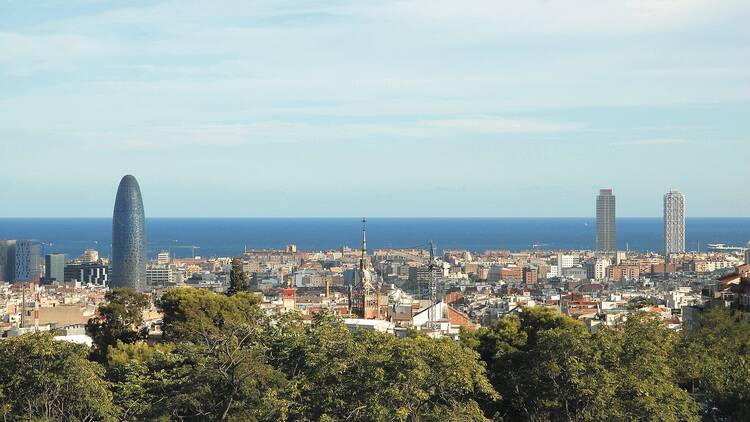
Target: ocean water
{"type": "Point", "coordinates": [228, 237]}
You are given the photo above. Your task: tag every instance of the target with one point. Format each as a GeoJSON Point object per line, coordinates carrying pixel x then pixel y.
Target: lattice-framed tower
{"type": "Point", "coordinates": [674, 223]}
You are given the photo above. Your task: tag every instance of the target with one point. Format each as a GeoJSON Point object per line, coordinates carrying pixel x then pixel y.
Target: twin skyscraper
{"type": "Point", "coordinates": [674, 222]}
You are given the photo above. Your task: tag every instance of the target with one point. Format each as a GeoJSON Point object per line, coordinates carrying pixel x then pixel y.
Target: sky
{"type": "Point", "coordinates": [404, 108]}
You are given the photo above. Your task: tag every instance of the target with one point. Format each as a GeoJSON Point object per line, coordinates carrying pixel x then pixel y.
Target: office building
{"type": "Point", "coordinates": [605, 221]}
{"type": "Point", "coordinates": [674, 222]}
{"type": "Point", "coordinates": [28, 261]}
{"type": "Point", "coordinates": [7, 260]}
{"type": "Point", "coordinates": [54, 268]}
{"type": "Point", "coordinates": [162, 258]}
{"type": "Point", "coordinates": [92, 273]}
{"type": "Point", "coordinates": [160, 276]}
{"type": "Point", "coordinates": [129, 237]}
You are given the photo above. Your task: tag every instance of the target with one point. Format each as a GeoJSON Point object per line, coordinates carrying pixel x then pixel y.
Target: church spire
{"type": "Point", "coordinates": [363, 258]}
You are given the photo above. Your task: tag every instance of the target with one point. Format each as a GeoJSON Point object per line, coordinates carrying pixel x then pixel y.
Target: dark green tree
{"type": "Point", "coordinates": [119, 319]}
{"type": "Point", "coordinates": [193, 314]}
{"type": "Point", "coordinates": [44, 379]}
{"type": "Point", "coordinates": [238, 281]}
{"type": "Point", "coordinates": [144, 379]}
{"type": "Point", "coordinates": [222, 371]}
{"type": "Point", "coordinates": [547, 366]}
{"type": "Point", "coordinates": [713, 361]}
{"type": "Point", "coordinates": [639, 353]}
{"type": "Point", "coordinates": [335, 374]}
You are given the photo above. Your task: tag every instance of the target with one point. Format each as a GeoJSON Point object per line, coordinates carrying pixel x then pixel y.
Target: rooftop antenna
{"type": "Point", "coordinates": [364, 239]}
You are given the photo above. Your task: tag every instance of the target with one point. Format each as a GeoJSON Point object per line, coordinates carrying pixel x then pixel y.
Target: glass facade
{"type": "Point", "coordinates": [28, 261]}
{"type": "Point", "coordinates": [129, 237]}
{"type": "Point", "coordinates": [674, 223]}
{"type": "Point", "coordinates": [54, 268]}
{"type": "Point", "coordinates": [605, 221]}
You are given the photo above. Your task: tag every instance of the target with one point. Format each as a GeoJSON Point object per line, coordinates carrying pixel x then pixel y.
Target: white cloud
{"type": "Point", "coordinates": [488, 125]}
{"type": "Point", "coordinates": [544, 17]}
{"type": "Point", "coordinates": [650, 142]}
{"type": "Point", "coordinates": [158, 138]}
{"type": "Point", "coordinates": [16, 46]}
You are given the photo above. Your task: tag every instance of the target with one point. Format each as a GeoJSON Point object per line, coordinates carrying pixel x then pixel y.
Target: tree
{"type": "Point", "coordinates": [639, 354]}
{"type": "Point", "coordinates": [544, 366]}
{"type": "Point", "coordinates": [335, 374]}
{"type": "Point", "coordinates": [193, 314]}
{"type": "Point", "coordinates": [237, 278]}
{"type": "Point", "coordinates": [714, 362]}
{"type": "Point", "coordinates": [547, 366]}
{"type": "Point", "coordinates": [119, 319]}
{"type": "Point", "coordinates": [223, 373]}
{"type": "Point", "coordinates": [143, 379]}
{"type": "Point", "coordinates": [44, 379]}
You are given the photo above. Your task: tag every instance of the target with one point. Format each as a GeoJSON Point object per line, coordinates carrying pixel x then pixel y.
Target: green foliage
{"type": "Point", "coordinates": [367, 376]}
{"type": "Point", "coordinates": [547, 366]}
{"type": "Point", "coordinates": [194, 314]}
{"type": "Point", "coordinates": [714, 361]}
{"type": "Point", "coordinates": [238, 281]}
{"type": "Point", "coordinates": [119, 319]}
{"type": "Point", "coordinates": [221, 345]}
{"type": "Point", "coordinates": [44, 379]}
{"type": "Point", "coordinates": [143, 379]}
{"type": "Point", "coordinates": [222, 358]}
{"type": "Point", "coordinates": [638, 353]}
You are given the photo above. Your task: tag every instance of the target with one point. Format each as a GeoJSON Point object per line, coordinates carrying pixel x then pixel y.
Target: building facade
{"type": "Point", "coordinates": [89, 256]}
{"type": "Point", "coordinates": [92, 273]}
{"type": "Point", "coordinates": [7, 260]}
{"type": "Point", "coordinates": [674, 222]}
{"type": "Point", "coordinates": [605, 221]}
{"type": "Point", "coordinates": [129, 237]}
{"type": "Point", "coordinates": [28, 261]}
{"type": "Point", "coordinates": [54, 268]}
{"type": "Point", "coordinates": [160, 276]}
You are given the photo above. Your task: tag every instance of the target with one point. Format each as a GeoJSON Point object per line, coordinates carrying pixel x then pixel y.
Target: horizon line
{"type": "Point", "coordinates": [357, 217]}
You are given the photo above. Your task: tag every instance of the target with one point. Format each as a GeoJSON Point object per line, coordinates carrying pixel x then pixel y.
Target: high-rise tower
{"type": "Point", "coordinates": [605, 221]}
{"type": "Point", "coordinates": [129, 237]}
{"type": "Point", "coordinates": [7, 260]}
{"type": "Point", "coordinates": [674, 223]}
{"type": "Point", "coordinates": [28, 261]}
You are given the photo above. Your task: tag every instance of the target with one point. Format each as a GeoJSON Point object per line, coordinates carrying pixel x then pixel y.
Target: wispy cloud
{"type": "Point", "coordinates": [489, 125]}
{"type": "Point", "coordinates": [17, 46]}
{"type": "Point", "coordinates": [187, 136]}
{"type": "Point", "coordinates": [649, 142]}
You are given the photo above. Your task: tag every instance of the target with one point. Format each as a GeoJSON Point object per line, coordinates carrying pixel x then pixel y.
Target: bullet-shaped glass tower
{"type": "Point", "coordinates": [129, 237]}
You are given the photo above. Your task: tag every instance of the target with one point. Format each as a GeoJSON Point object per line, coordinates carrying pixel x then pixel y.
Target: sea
{"type": "Point", "coordinates": [210, 237]}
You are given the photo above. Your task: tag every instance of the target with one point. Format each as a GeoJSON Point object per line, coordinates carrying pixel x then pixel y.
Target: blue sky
{"type": "Point", "coordinates": [379, 108]}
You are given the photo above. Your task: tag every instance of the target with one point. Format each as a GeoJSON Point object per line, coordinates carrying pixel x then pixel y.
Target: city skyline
{"type": "Point", "coordinates": [452, 109]}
